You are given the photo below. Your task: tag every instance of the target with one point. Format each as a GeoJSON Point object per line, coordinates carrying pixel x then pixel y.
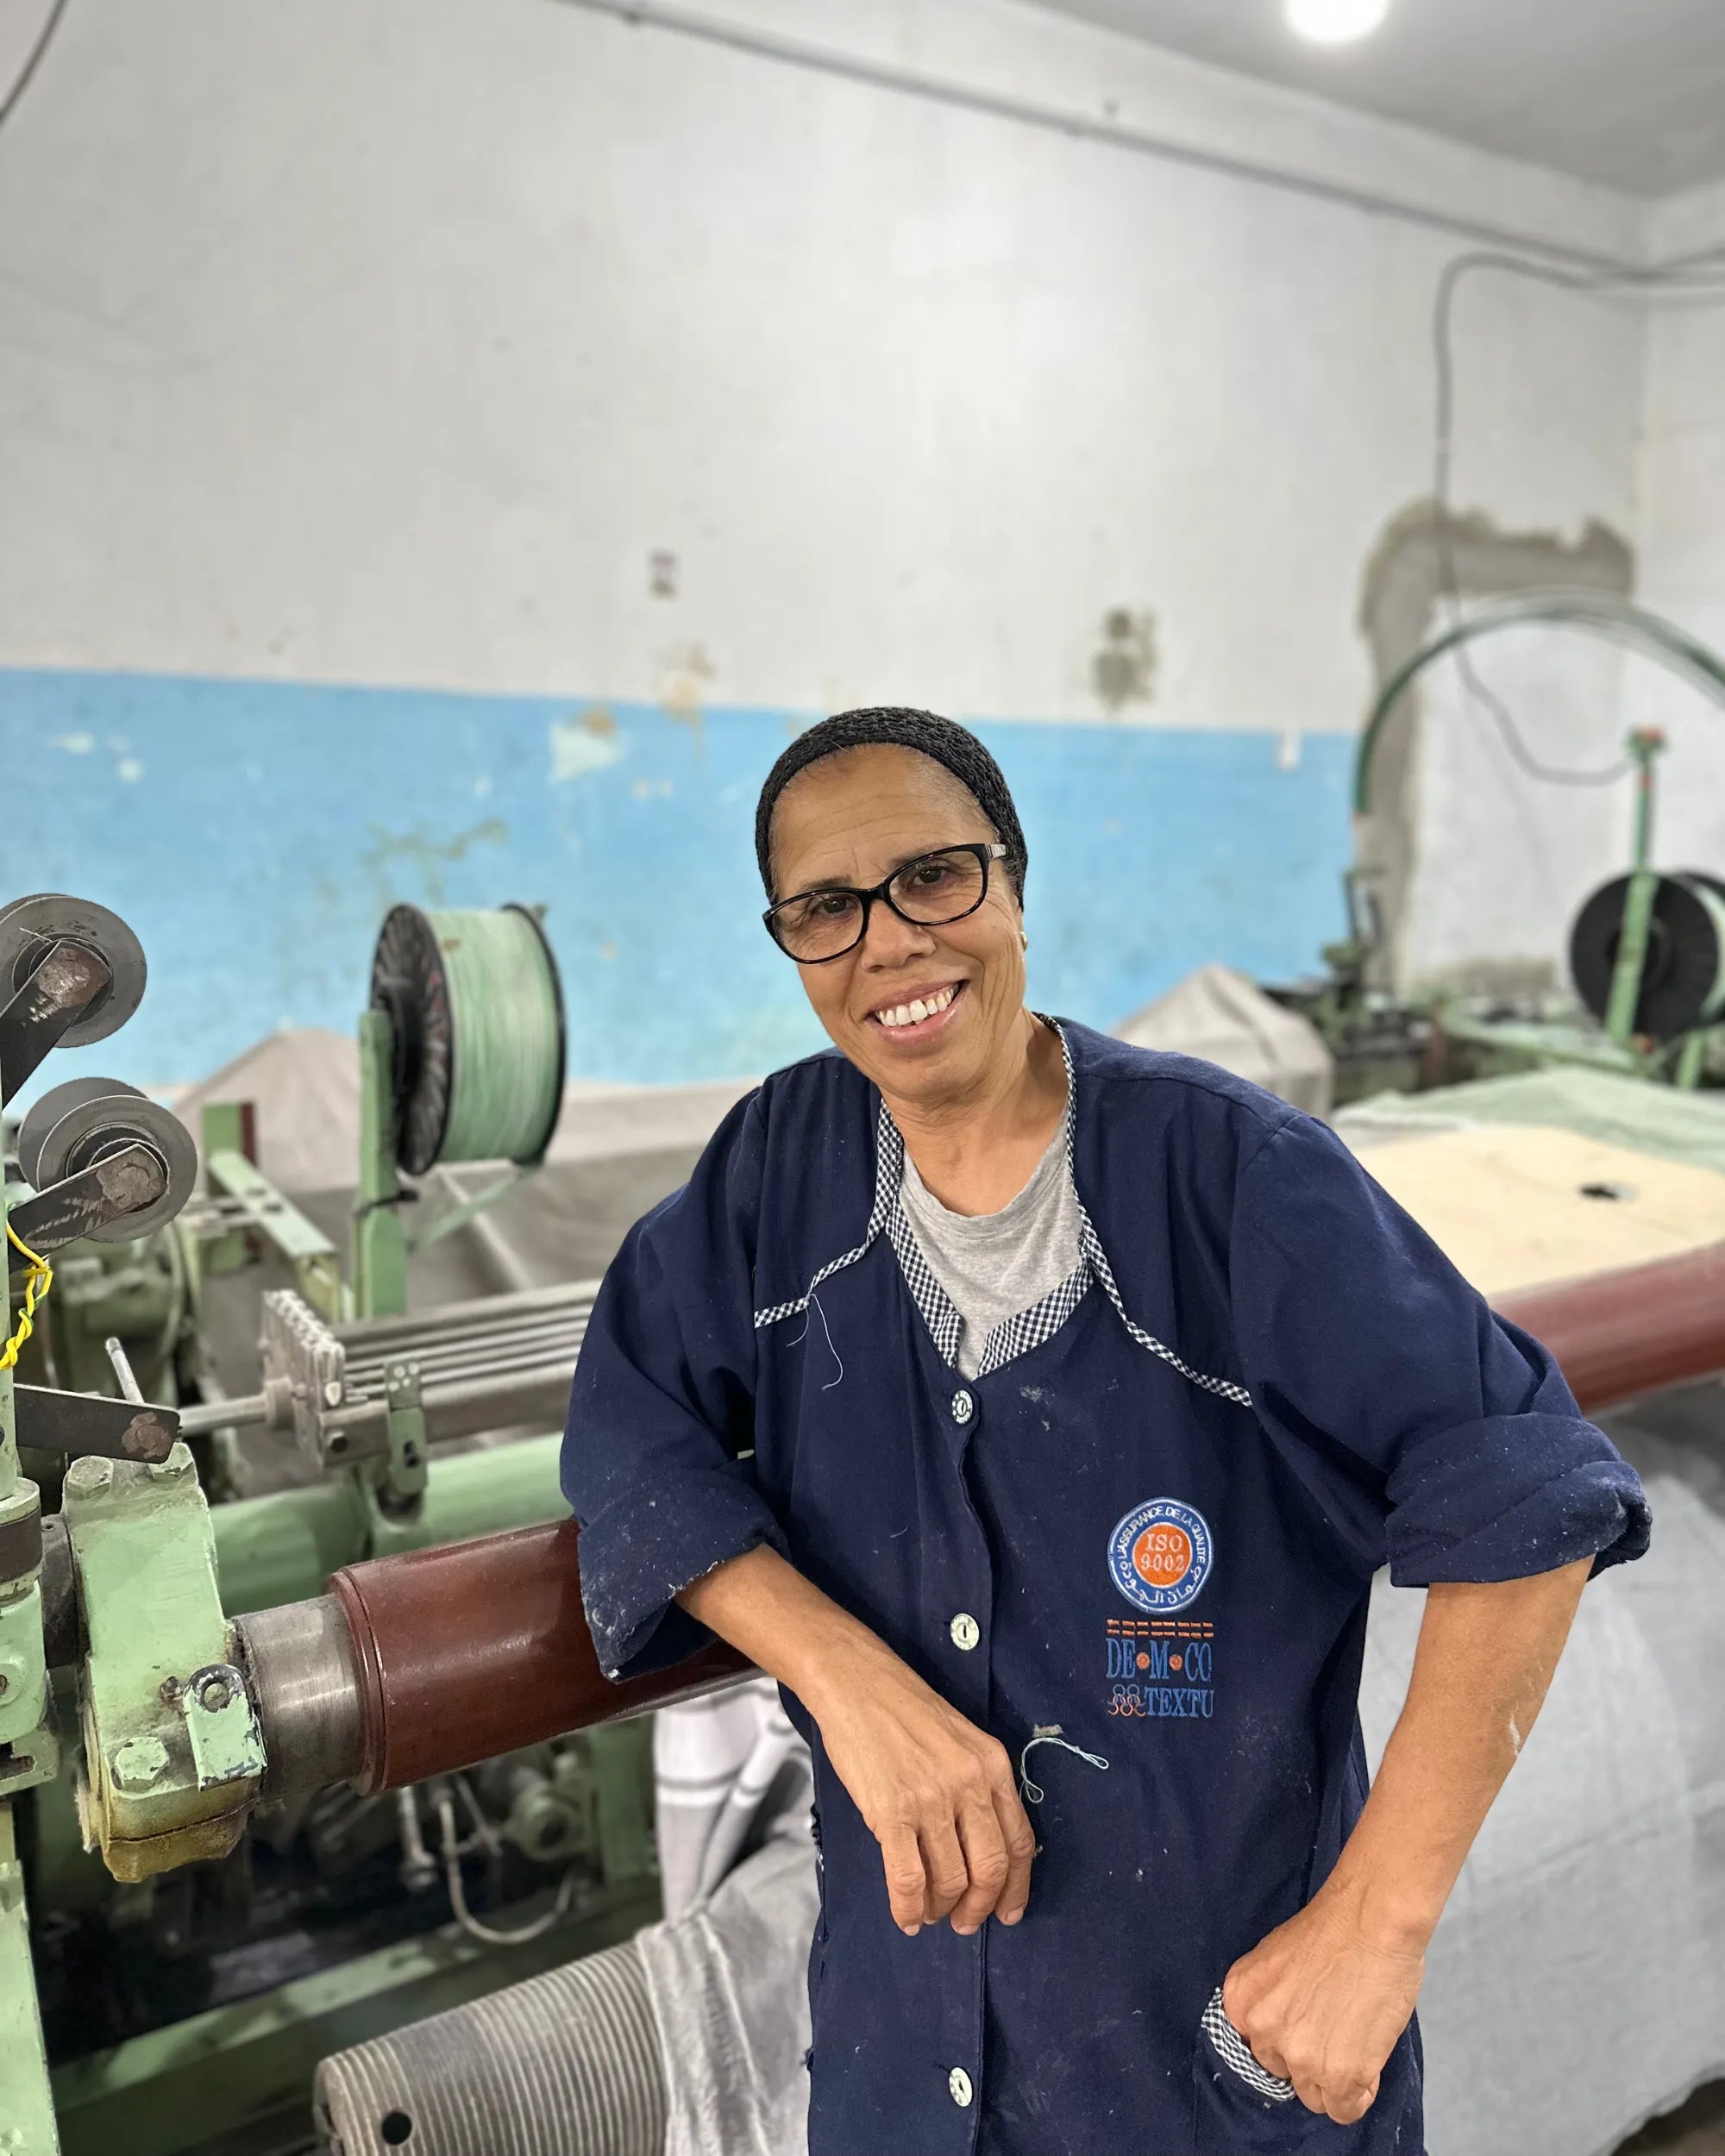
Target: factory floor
{"type": "Point", "coordinates": [1698, 2129]}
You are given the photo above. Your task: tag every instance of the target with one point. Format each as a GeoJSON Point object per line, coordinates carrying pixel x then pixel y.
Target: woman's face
{"type": "Point", "coordinates": [854, 818]}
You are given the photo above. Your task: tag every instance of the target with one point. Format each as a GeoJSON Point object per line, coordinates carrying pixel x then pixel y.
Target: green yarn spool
{"type": "Point", "coordinates": [477, 1012]}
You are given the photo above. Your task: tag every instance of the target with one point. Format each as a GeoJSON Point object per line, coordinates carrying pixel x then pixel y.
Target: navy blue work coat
{"type": "Point", "coordinates": [1149, 1526]}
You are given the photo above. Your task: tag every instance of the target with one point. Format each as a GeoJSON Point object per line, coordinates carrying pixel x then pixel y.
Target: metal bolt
{"type": "Point", "coordinates": [87, 1475]}
{"type": "Point", "coordinates": [140, 1763]}
{"type": "Point", "coordinates": [214, 1695]}
{"type": "Point", "coordinates": [175, 1465]}
{"type": "Point", "coordinates": [170, 1691]}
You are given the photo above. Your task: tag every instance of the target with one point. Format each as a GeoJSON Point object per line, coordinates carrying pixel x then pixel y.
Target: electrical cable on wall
{"type": "Point", "coordinates": [1693, 287]}
{"type": "Point", "coordinates": [38, 52]}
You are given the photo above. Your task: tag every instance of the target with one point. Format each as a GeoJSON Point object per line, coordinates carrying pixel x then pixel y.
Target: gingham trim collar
{"type": "Point", "coordinates": [1030, 1328]}
{"type": "Point", "coordinates": [1026, 1329]}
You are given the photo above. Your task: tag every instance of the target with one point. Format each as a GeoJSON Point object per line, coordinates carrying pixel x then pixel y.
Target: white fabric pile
{"type": "Point", "coordinates": [727, 1969]}
{"type": "Point", "coordinates": [1225, 1019]}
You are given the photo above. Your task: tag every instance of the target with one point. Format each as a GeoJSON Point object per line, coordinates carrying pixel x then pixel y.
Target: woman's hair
{"type": "Point", "coordinates": [952, 746]}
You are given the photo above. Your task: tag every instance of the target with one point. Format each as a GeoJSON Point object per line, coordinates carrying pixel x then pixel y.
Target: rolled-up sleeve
{"type": "Point", "coordinates": [662, 1411]}
{"type": "Point", "coordinates": [1432, 1435]}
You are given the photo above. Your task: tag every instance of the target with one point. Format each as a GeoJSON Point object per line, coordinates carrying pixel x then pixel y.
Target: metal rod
{"type": "Point", "coordinates": [237, 1413]}
{"type": "Point", "coordinates": [467, 1382]}
{"type": "Point", "coordinates": [476, 1340]}
{"type": "Point", "coordinates": [437, 1385]}
{"type": "Point", "coordinates": [459, 1355]}
{"type": "Point", "coordinates": [479, 1309]}
{"type": "Point", "coordinates": [122, 1369]}
{"type": "Point", "coordinates": [1627, 973]}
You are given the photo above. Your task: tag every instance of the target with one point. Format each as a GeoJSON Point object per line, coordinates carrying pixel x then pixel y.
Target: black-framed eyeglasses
{"type": "Point", "coordinates": [929, 892]}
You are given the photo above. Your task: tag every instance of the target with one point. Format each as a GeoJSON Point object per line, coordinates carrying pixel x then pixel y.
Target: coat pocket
{"type": "Point", "coordinates": [1238, 2106]}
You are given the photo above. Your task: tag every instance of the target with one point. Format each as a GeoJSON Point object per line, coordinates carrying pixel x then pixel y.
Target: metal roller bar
{"type": "Point", "coordinates": [436, 1384]}
{"type": "Point", "coordinates": [509, 1401]}
{"type": "Point", "coordinates": [500, 1398]}
{"type": "Point", "coordinates": [301, 1659]}
{"type": "Point", "coordinates": [525, 1326]}
{"type": "Point", "coordinates": [465, 1370]}
{"type": "Point", "coordinates": [482, 1311]}
{"type": "Point", "coordinates": [546, 1342]}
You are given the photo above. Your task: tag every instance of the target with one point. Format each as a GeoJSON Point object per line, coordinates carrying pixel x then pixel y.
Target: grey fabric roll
{"type": "Point", "coordinates": [565, 2065]}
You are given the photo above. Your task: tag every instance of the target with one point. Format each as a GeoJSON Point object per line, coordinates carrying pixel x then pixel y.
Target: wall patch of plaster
{"type": "Point", "coordinates": [1422, 553]}
{"type": "Point", "coordinates": [586, 742]}
{"type": "Point", "coordinates": [1123, 669]}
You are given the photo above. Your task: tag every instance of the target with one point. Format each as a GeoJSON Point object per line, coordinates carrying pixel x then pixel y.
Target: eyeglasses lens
{"type": "Point", "coordinates": [819, 925]}
{"type": "Point", "coordinates": [938, 888]}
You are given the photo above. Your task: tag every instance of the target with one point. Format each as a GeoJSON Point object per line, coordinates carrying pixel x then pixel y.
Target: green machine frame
{"type": "Point", "coordinates": [166, 1759]}
{"type": "Point", "coordinates": [1617, 1047]}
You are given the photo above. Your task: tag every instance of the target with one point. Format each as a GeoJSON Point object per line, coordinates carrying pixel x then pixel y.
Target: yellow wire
{"type": "Point", "coordinates": [36, 1289]}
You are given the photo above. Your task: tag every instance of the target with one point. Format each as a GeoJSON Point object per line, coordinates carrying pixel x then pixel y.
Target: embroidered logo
{"type": "Point", "coordinates": [1159, 1555]}
{"type": "Point", "coordinates": [1160, 1669]}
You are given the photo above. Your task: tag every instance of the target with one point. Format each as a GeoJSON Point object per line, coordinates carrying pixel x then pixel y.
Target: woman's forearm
{"type": "Point", "coordinates": [766, 1609]}
{"type": "Point", "coordinates": [1485, 1658]}
{"type": "Point", "coordinates": [1323, 1998]}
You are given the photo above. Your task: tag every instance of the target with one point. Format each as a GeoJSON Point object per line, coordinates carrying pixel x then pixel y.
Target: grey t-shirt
{"type": "Point", "coordinates": [995, 1264]}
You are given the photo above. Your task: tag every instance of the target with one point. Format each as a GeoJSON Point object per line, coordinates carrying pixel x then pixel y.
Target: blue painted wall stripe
{"type": "Point", "coordinates": [254, 833]}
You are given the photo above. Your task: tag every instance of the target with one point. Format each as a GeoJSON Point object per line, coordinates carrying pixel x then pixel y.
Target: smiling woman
{"type": "Point", "coordinates": [1014, 1395]}
{"type": "Point", "coordinates": [912, 951]}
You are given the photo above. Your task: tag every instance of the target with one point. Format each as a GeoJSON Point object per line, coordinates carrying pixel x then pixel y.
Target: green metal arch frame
{"type": "Point", "coordinates": [1594, 613]}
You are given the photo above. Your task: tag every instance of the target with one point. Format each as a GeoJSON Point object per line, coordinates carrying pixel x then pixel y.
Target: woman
{"type": "Point", "coordinates": [1037, 1409]}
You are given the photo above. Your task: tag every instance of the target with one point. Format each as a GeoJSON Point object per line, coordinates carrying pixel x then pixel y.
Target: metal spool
{"type": "Point", "coordinates": [29, 929]}
{"type": "Point", "coordinates": [477, 1012]}
{"type": "Point", "coordinates": [568, 2064]}
{"type": "Point", "coordinates": [74, 1125]}
{"type": "Point", "coordinates": [1682, 982]}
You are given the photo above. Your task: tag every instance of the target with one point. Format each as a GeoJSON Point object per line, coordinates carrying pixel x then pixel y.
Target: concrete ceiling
{"type": "Point", "coordinates": [1630, 93]}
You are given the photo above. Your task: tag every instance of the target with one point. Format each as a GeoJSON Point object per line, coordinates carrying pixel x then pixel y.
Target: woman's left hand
{"type": "Point", "coordinates": [1321, 2004]}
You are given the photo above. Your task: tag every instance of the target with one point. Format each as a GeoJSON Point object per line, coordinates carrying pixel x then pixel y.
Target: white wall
{"type": "Point", "coordinates": [382, 340]}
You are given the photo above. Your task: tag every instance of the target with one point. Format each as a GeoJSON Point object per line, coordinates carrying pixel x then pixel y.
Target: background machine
{"type": "Point", "coordinates": [185, 1917]}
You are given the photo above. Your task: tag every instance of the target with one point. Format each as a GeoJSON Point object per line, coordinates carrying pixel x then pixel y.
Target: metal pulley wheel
{"type": "Point", "coordinates": [1683, 977]}
{"type": "Point", "coordinates": [29, 929]}
{"type": "Point", "coordinates": [74, 1125]}
{"type": "Point", "coordinates": [476, 1010]}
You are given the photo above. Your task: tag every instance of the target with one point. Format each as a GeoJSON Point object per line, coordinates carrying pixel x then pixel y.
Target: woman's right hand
{"type": "Point", "coordinates": [936, 1792]}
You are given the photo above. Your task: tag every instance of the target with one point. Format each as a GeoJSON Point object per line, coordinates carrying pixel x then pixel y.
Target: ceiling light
{"type": "Point", "coordinates": [1335, 21]}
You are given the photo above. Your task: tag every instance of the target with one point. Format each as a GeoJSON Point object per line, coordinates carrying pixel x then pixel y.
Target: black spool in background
{"type": "Point", "coordinates": [1683, 980]}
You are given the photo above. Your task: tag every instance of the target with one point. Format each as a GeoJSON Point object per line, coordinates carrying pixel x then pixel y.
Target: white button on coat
{"type": "Point", "coordinates": [963, 1406]}
{"type": "Point", "coordinates": [958, 2087]}
{"type": "Point", "coordinates": [965, 1631]}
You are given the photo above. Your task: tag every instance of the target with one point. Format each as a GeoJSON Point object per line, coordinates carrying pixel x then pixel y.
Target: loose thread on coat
{"type": "Point", "coordinates": [814, 1304]}
{"type": "Point", "coordinates": [1048, 1733]}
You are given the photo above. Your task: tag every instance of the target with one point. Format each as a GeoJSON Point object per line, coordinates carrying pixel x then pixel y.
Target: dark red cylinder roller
{"type": "Point", "coordinates": [480, 1648]}
{"type": "Point", "coordinates": [1621, 1335]}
